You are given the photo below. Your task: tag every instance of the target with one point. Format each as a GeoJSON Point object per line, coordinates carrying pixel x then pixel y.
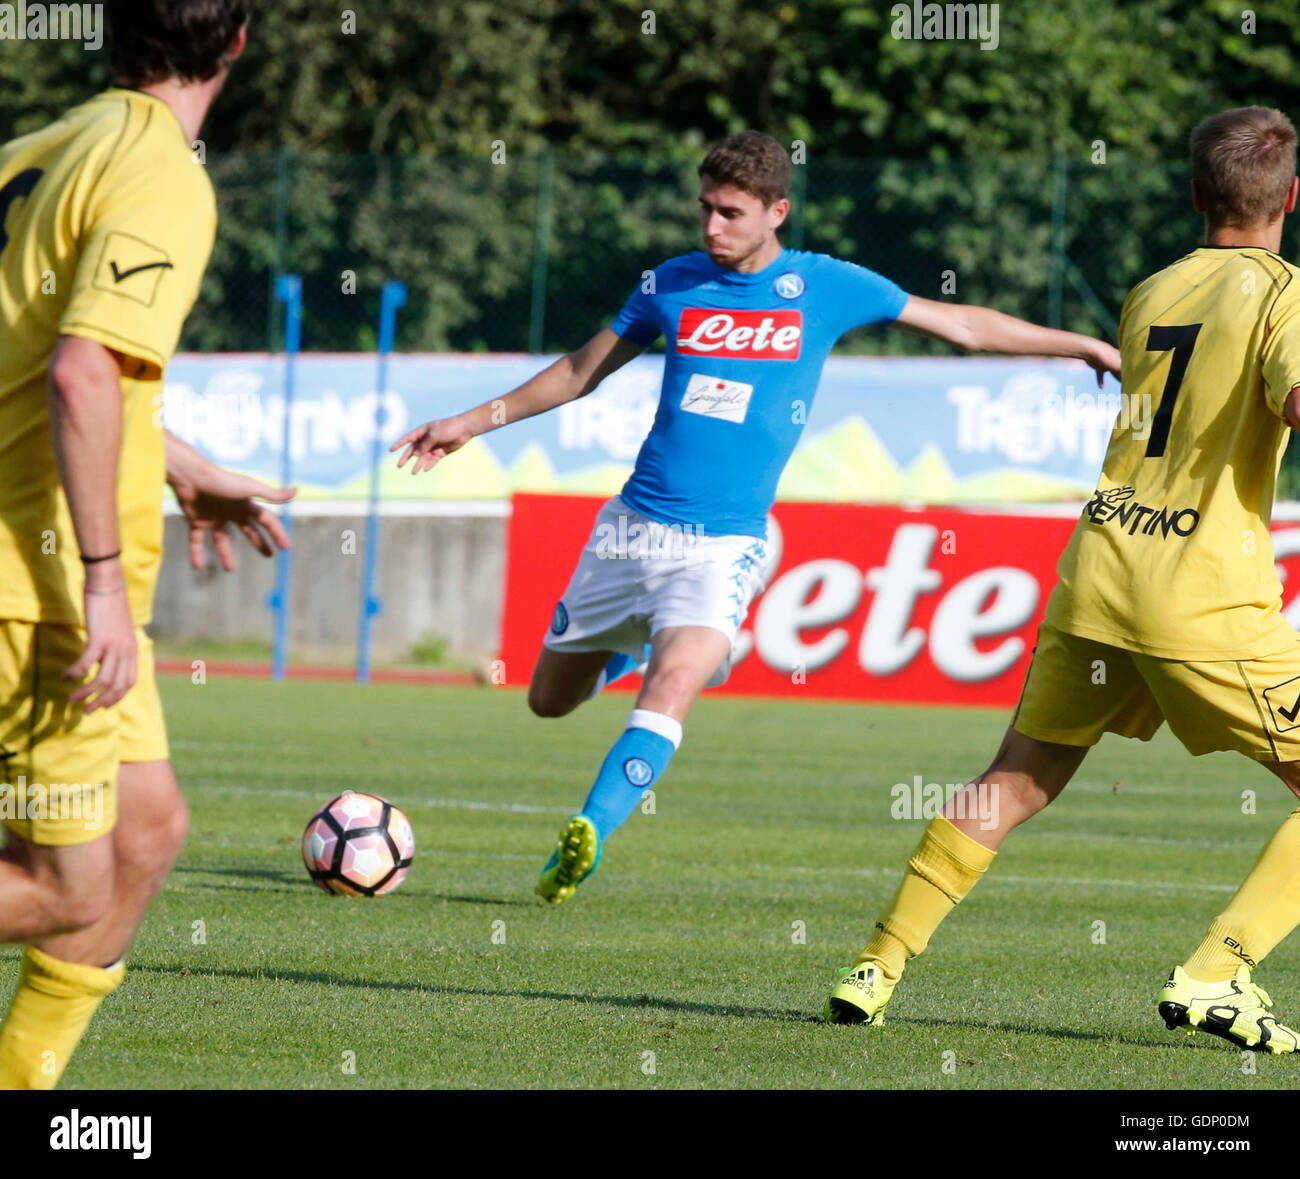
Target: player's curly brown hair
{"type": "Point", "coordinates": [1243, 162]}
{"type": "Point", "coordinates": [752, 162]}
{"type": "Point", "coordinates": [150, 40]}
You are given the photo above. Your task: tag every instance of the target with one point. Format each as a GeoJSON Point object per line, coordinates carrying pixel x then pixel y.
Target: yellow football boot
{"type": "Point", "coordinates": [860, 996]}
{"type": "Point", "coordinates": [1237, 1010]}
{"type": "Point", "coordinates": [572, 861]}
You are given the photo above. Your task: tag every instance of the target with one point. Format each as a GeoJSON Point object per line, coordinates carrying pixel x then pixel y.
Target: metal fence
{"type": "Point", "coordinates": [537, 253]}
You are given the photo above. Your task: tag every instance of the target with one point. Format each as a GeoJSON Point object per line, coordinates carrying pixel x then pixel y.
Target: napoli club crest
{"type": "Point", "coordinates": [638, 771]}
{"type": "Point", "coordinates": [560, 619]}
{"type": "Point", "coordinates": [789, 285]}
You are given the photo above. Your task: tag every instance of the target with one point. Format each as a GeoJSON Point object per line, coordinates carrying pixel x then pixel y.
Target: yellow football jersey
{"type": "Point", "coordinates": [1172, 555]}
{"type": "Point", "coordinates": [106, 224]}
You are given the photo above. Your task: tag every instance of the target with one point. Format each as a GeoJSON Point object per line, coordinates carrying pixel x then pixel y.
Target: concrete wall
{"type": "Point", "coordinates": [443, 575]}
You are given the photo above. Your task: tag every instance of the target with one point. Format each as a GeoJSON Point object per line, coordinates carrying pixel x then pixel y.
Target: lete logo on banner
{"type": "Point", "coordinates": [872, 603]}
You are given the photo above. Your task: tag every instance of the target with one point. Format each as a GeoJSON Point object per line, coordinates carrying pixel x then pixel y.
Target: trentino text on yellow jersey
{"type": "Point", "coordinates": [1172, 556]}
{"type": "Point", "coordinates": [106, 224]}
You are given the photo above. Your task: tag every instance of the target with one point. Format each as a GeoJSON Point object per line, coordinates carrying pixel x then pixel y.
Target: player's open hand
{"type": "Point", "coordinates": [431, 443]}
{"type": "Point", "coordinates": [213, 499]}
{"type": "Point", "coordinates": [1104, 359]}
{"type": "Point", "coordinates": [110, 640]}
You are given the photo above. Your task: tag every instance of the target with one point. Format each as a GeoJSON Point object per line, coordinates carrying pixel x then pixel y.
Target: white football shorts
{"type": "Point", "coordinates": [637, 576]}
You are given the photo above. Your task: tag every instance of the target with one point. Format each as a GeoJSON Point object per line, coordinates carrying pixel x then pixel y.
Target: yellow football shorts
{"type": "Point", "coordinates": [58, 765]}
{"type": "Point", "coordinates": [1077, 689]}
{"type": "Point", "coordinates": [144, 732]}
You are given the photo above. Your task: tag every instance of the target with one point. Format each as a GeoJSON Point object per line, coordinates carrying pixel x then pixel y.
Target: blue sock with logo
{"type": "Point", "coordinates": [635, 764]}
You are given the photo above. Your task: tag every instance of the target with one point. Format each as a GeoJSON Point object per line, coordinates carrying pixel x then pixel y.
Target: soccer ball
{"type": "Point", "coordinates": [359, 845]}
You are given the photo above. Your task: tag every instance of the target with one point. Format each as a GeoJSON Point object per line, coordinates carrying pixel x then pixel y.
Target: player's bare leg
{"type": "Point", "coordinates": [82, 906]}
{"type": "Point", "coordinates": [1288, 771]}
{"type": "Point", "coordinates": [150, 832]}
{"type": "Point", "coordinates": [46, 890]}
{"type": "Point", "coordinates": [1024, 777]}
{"type": "Point", "coordinates": [564, 679]}
{"type": "Point", "coordinates": [1213, 990]}
{"type": "Point", "coordinates": [682, 660]}
{"type": "Point", "coordinates": [957, 848]}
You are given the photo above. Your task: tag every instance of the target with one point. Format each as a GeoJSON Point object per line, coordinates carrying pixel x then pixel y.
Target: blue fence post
{"type": "Point", "coordinates": [393, 297]}
{"type": "Point", "coordinates": [288, 290]}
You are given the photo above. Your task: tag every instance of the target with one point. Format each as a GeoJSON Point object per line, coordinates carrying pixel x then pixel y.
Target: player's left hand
{"type": "Point", "coordinates": [214, 498]}
{"type": "Point", "coordinates": [1104, 359]}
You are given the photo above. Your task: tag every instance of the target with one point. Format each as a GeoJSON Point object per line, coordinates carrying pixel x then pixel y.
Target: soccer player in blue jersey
{"type": "Point", "coordinates": [675, 559]}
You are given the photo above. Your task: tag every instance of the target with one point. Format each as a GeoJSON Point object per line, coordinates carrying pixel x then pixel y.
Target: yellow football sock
{"type": "Point", "coordinates": [943, 869]}
{"type": "Point", "coordinates": [50, 1012]}
{"type": "Point", "coordinates": [1264, 910]}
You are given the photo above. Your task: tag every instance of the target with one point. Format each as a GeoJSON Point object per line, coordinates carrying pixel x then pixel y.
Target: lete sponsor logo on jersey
{"type": "Point", "coordinates": [740, 335]}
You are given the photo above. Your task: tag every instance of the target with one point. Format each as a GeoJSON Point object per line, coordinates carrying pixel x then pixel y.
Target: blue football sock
{"type": "Point", "coordinates": [637, 761]}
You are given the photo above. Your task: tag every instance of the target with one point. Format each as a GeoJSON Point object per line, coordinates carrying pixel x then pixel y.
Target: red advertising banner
{"type": "Point", "coordinates": [933, 606]}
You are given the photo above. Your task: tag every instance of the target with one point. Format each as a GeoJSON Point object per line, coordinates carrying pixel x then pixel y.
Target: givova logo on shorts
{"type": "Point", "coordinates": [1283, 702]}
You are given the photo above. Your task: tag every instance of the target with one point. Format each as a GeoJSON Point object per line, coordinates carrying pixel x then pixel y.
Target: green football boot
{"type": "Point", "coordinates": [1237, 1010]}
{"type": "Point", "coordinates": [572, 862]}
{"type": "Point", "coordinates": [861, 995]}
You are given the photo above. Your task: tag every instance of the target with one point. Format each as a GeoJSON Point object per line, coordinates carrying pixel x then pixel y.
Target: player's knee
{"type": "Point", "coordinates": [82, 910]}
{"type": "Point", "coordinates": [59, 898]}
{"type": "Point", "coordinates": [147, 852]}
{"type": "Point", "coordinates": [543, 701]}
{"type": "Point", "coordinates": [673, 684]}
{"type": "Point", "coordinates": [69, 906]}
{"type": "Point", "coordinates": [1014, 793]}
{"type": "Point", "coordinates": [173, 834]}
{"type": "Point", "coordinates": [549, 696]}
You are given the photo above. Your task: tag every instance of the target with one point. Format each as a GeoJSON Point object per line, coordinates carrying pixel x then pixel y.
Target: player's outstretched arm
{"type": "Point", "coordinates": [569, 378]}
{"type": "Point", "coordinates": [981, 329]}
{"type": "Point", "coordinates": [85, 406]}
{"type": "Point", "coordinates": [213, 498]}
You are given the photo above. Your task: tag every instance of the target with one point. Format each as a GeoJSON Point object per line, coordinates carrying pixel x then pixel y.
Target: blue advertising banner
{"type": "Point", "coordinates": [961, 430]}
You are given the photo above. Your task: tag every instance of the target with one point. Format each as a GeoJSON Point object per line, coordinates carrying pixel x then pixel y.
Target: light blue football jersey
{"type": "Point", "coordinates": [744, 357]}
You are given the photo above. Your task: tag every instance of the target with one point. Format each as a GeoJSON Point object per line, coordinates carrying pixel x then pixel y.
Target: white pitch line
{"type": "Point", "coordinates": [449, 803]}
{"type": "Point", "coordinates": [795, 869]}
{"type": "Point", "coordinates": [1077, 786]}
{"type": "Point", "coordinates": [523, 808]}
{"type": "Point", "coordinates": [1037, 881]}
{"type": "Point", "coordinates": [246, 746]}
{"type": "Point", "coordinates": [1160, 840]}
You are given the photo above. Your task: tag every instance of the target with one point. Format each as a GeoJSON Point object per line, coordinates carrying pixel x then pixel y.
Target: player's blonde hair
{"type": "Point", "coordinates": [1243, 162]}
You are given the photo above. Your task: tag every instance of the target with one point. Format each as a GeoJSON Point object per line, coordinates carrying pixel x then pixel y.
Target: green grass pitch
{"type": "Point", "coordinates": [680, 963]}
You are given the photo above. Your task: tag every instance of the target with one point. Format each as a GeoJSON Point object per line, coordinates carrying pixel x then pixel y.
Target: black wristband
{"type": "Point", "coordinates": [85, 560]}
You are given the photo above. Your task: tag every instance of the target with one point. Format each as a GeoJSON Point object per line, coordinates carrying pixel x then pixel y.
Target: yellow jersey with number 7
{"type": "Point", "coordinates": [1172, 556]}
{"type": "Point", "coordinates": [106, 224]}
